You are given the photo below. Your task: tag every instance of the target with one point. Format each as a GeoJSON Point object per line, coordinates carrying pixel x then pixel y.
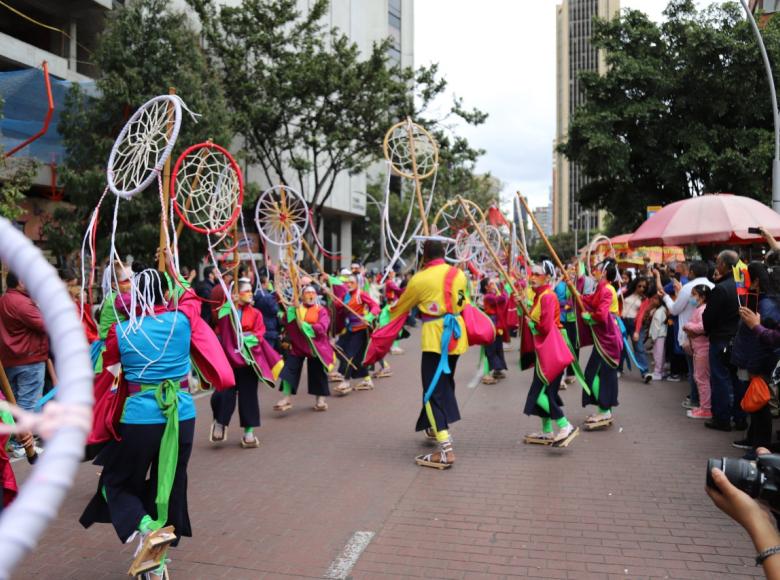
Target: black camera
{"type": "Point", "coordinates": [759, 479]}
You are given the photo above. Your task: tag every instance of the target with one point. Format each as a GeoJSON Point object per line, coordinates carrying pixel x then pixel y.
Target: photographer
{"type": "Point", "coordinates": [756, 519]}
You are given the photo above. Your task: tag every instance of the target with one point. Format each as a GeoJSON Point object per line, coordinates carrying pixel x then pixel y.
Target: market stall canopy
{"type": "Point", "coordinates": [716, 218]}
{"type": "Point", "coordinates": [628, 255]}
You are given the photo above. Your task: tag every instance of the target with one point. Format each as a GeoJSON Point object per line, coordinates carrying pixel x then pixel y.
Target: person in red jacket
{"type": "Point", "coordinates": [24, 346]}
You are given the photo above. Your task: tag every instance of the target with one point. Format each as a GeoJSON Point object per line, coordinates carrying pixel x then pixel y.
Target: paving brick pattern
{"type": "Point", "coordinates": [624, 503]}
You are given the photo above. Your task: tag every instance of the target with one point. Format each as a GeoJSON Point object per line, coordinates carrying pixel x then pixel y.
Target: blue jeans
{"type": "Point", "coordinates": [639, 347]}
{"type": "Point", "coordinates": [27, 383]}
{"type": "Point", "coordinates": [723, 383]}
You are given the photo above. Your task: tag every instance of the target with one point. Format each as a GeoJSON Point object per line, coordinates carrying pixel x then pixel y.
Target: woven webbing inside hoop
{"type": "Point", "coordinates": [207, 188]}
{"type": "Point", "coordinates": [143, 145]}
{"type": "Point", "coordinates": [398, 150]}
{"type": "Point", "coordinates": [39, 499]}
{"type": "Point", "coordinates": [281, 215]}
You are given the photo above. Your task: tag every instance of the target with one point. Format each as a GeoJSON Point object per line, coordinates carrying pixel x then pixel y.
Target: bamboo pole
{"type": "Point", "coordinates": [520, 300]}
{"type": "Point", "coordinates": [417, 186]}
{"type": "Point", "coordinates": [553, 254]}
{"type": "Point", "coordinates": [8, 393]}
{"type": "Point", "coordinates": [195, 182]}
{"type": "Point", "coordinates": [166, 193]}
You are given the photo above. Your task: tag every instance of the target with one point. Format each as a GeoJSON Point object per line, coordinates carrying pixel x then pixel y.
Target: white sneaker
{"type": "Point", "coordinates": [18, 452]}
{"type": "Point", "coordinates": [597, 417]}
{"type": "Point", "coordinates": [396, 350]}
{"type": "Point", "coordinates": [657, 377]}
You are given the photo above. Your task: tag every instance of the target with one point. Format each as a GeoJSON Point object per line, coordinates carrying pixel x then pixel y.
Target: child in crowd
{"type": "Point", "coordinates": [658, 328]}
{"type": "Point", "coordinates": [700, 346]}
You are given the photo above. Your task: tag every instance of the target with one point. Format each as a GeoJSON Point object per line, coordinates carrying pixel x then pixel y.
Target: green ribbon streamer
{"type": "Point", "coordinates": [307, 329]}
{"type": "Point", "coordinates": [596, 384]}
{"type": "Point", "coordinates": [224, 310]}
{"type": "Point", "coordinates": [384, 316]}
{"type": "Point", "coordinates": [250, 340]}
{"type": "Point", "coordinates": [167, 396]}
{"type": "Point", "coordinates": [575, 365]}
{"type": "Point", "coordinates": [290, 313]}
{"type": "Point", "coordinates": [286, 388]}
{"type": "Point", "coordinates": [483, 361]}
{"type": "Point", "coordinates": [543, 400]}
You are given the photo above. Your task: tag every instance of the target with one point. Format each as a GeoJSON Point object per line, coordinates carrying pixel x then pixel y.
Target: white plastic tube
{"type": "Point", "coordinates": [39, 499]}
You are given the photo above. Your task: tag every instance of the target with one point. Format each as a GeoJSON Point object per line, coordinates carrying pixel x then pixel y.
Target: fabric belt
{"type": "Point", "coordinates": [135, 388]}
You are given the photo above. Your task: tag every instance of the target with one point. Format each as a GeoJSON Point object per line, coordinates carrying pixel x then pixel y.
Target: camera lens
{"type": "Point", "coordinates": [742, 473]}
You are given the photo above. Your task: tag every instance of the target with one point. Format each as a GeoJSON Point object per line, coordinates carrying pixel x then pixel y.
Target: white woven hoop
{"type": "Point", "coordinates": [39, 499]}
{"type": "Point", "coordinates": [270, 222]}
{"type": "Point", "coordinates": [143, 145]}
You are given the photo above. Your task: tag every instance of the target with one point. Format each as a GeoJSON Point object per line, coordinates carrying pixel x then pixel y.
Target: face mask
{"type": "Point", "coordinates": [693, 302]}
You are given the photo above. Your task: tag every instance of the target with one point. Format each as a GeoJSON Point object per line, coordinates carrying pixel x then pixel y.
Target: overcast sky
{"type": "Point", "coordinates": [499, 56]}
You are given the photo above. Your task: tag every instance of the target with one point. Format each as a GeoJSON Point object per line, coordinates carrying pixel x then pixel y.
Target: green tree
{"type": "Point", "coordinates": [309, 105]}
{"type": "Point", "coordinates": [145, 48]}
{"type": "Point", "coordinates": [16, 175]}
{"type": "Point", "coordinates": [683, 109]}
{"type": "Point", "coordinates": [562, 243]}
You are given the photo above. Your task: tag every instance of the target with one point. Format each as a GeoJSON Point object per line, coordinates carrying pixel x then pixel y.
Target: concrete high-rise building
{"type": "Point", "coordinates": [574, 55]}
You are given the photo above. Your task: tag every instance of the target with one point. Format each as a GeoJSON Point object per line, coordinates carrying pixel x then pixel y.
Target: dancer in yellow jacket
{"type": "Point", "coordinates": [439, 292]}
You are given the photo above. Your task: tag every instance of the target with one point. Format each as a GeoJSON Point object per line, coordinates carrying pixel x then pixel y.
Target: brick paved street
{"type": "Point", "coordinates": [625, 503]}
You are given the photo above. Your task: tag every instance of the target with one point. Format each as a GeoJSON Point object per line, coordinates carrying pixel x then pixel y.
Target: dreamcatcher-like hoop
{"type": "Point", "coordinates": [281, 216]}
{"type": "Point", "coordinates": [207, 188]}
{"type": "Point", "coordinates": [404, 138]}
{"type": "Point", "coordinates": [594, 244]}
{"type": "Point", "coordinates": [65, 421]}
{"type": "Point", "coordinates": [143, 145]}
{"type": "Point", "coordinates": [452, 221]}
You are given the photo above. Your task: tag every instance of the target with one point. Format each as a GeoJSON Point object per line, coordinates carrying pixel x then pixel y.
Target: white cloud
{"type": "Point", "coordinates": [499, 56]}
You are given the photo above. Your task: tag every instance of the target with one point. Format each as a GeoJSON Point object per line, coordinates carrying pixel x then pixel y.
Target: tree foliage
{"type": "Point", "coordinates": [683, 109]}
{"type": "Point", "coordinates": [16, 175]}
{"type": "Point", "coordinates": [309, 105]}
{"type": "Point", "coordinates": [145, 48]}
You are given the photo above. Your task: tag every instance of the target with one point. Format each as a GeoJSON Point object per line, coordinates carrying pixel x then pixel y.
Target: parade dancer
{"type": "Point", "coordinates": [157, 423]}
{"type": "Point", "coordinates": [307, 332]}
{"type": "Point", "coordinates": [8, 485]}
{"type": "Point", "coordinates": [601, 370]}
{"type": "Point", "coordinates": [569, 321]}
{"type": "Point", "coordinates": [252, 359]}
{"type": "Point", "coordinates": [494, 305]}
{"type": "Point", "coordinates": [552, 358]}
{"type": "Point", "coordinates": [392, 293]}
{"type": "Point", "coordinates": [356, 312]}
{"type": "Point", "coordinates": [116, 283]}
{"type": "Point", "coordinates": [440, 292]}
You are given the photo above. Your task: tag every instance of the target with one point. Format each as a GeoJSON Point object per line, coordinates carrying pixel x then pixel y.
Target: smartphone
{"type": "Point", "coordinates": [749, 301]}
{"type": "Point", "coordinates": [754, 231]}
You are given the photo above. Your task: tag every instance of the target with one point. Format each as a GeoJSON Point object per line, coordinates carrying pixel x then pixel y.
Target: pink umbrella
{"type": "Point", "coordinates": [718, 218]}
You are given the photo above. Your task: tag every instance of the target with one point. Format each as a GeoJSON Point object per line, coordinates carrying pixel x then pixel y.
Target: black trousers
{"type": "Point", "coordinates": [354, 345]}
{"type": "Point", "coordinates": [556, 403]}
{"type": "Point", "coordinates": [129, 493]}
{"type": "Point", "coordinates": [223, 403]}
{"type": "Point", "coordinates": [759, 432]}
{"type": "Point", "coordinates": [495, 354]}
{"type": "Point", "coordinates": [315, 374]}
{"type": "Point", "coordinates": [443, 402]}
{"type": "Point", "coordinates": [608, 382]}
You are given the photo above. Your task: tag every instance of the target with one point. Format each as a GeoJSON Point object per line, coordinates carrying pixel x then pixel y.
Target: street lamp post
{"type": "Point", "coordinates": [773, 94]}
{"type": "Point", "coordinates": [371, 199]}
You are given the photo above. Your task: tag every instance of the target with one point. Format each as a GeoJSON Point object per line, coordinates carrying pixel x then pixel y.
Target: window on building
{"type": "Point", "coordinates": [394, 31]}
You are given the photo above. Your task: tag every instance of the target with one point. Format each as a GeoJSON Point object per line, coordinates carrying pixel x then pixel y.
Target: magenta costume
{"type": "Point", "coordinates": [316, 351]}
{"type": "Point", "coordinates": [601, 370]}
{"type": "Point", "coordinates": [552, 356]}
